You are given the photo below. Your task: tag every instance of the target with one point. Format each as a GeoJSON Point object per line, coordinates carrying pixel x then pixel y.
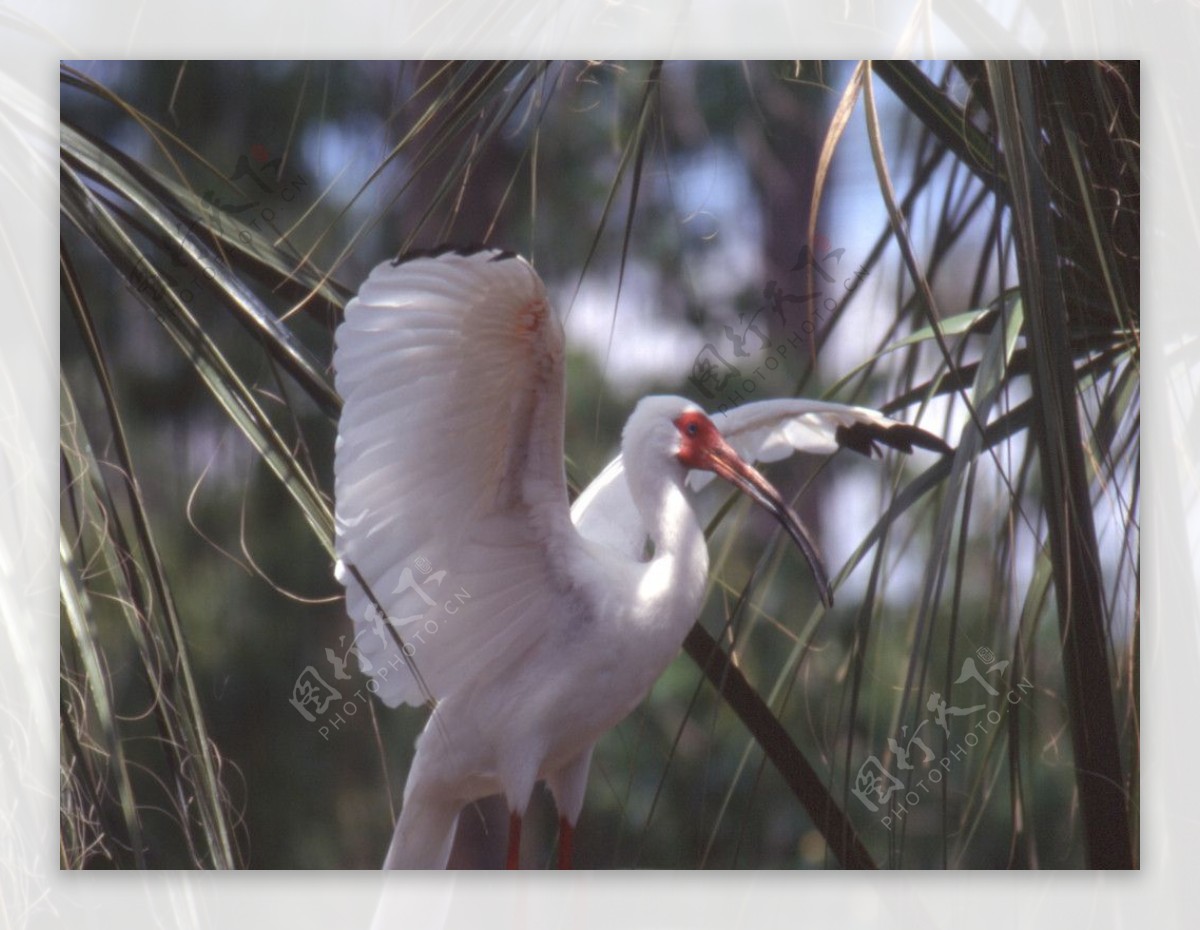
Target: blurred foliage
{"type": "Point", "coordinates": [216, 215]}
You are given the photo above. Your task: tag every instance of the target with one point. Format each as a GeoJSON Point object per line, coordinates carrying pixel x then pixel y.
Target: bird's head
{"type": "Point", "coordinates": [678, 432]}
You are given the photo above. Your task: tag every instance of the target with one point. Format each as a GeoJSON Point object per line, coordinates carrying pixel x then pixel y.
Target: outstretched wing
{"type": "Point", "coordinates": [770, 430]}
{"type": "Point", "coordinates": [765, 431]}
{"type": "Point", "coordinates": [448, 468]}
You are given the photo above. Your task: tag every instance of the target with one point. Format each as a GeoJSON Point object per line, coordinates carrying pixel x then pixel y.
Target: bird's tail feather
{"type": "Point", "coordinates": [424, 834]}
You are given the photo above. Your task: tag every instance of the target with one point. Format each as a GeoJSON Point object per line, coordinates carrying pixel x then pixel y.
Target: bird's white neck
{"type": "Point", "coordinates": [669, 519]}
{"type": "Point", "coordinates": [668, 590]}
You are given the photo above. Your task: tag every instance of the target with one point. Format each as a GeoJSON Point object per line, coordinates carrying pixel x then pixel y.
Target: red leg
{"type": "Point", "coordinates": [566, 843]}
{"type": "Point", "coordinates": [514, 841]}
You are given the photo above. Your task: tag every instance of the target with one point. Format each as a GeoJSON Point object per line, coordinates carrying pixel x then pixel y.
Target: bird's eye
{"type": "Point", "coordinates": [693, 428]}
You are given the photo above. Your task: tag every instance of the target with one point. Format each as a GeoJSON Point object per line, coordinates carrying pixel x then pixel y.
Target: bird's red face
{"type": "Point", "coordinates": [698, 439]}
{"type": "Point", "coordinates": [701, 446]}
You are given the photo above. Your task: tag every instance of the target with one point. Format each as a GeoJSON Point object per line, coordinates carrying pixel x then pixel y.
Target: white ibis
{"type": "Point", "coordinates": [530, 626]}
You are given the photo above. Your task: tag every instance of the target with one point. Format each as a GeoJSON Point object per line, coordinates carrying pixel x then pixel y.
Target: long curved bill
{"type": "Point", "coordinates": [727, 464]}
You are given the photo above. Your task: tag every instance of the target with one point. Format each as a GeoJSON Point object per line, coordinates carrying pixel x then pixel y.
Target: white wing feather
{"type": "Point", "coordinates": [770, 430]}
{"type": "Point", "coordinates": [764, 431]}
{"type": "Point", "coordinates": [605, 513]}
{"type": "Point", "coordinates": [449, 479]}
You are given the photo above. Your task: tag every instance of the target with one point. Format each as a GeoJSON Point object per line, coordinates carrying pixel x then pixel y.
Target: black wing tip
{"type": "Point", "coordinates": [864, 438]}
{"type": "Point", "coordinates": [466, 251]}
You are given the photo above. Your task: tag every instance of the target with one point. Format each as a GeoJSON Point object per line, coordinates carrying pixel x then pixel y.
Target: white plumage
{"type": "Point", "coordinates": [534, 626]}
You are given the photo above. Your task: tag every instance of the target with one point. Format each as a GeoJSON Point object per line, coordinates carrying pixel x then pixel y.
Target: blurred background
{"type": "Point", "coordinates": [956, 244]}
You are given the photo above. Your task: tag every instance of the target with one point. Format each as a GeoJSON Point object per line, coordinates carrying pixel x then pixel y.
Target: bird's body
{"type": "Point", "coordinates": [533, 627]}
